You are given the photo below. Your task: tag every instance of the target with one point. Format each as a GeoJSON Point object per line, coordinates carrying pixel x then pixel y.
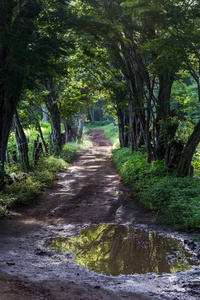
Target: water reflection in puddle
{"type": "Point", "coordinates": [118, 249]}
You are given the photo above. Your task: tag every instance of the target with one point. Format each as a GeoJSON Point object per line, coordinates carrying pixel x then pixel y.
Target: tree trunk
{"type": "Point", "coordinates": [52, 106]}
{"type": "Point", "coordinates": [6, 116]}
{"type": "Point", "coordinates": [136, 132]}
{"type": "Point", "coordinates": [92, 114]}
{"type": "Point", "coordinates": [67, 130]}
{"type": "Point", "coordinates": [150, 150]}
{"type": "Point", "coordinates": [188, 152]}
{"type": "Point", "coordinates": [16, 19]}
{"type": "Point", "coordinates": [81, 123]}
{"type": "Point", "coordinates": [122, 124]}
{"type": "Point", "coordinates": [71, 128]}
{"type": "Point", "coordinates": [75, 127]}
{"type": "Point", "coordinates": [21, 141]}
{"type": "Point", "coordinates": [162, 112]}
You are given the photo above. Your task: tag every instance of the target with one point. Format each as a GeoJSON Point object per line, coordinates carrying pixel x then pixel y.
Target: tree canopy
{"type": "Point", "coordinates": [138, 56]}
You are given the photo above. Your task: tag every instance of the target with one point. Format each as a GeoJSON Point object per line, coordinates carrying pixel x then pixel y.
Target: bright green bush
{"type": "Point", "coordinates": [111, 133]}
{"type": "Point", "coordinates": [28, 185]}
{"type": "Point", "coordinates": [133, 165]}
{"type": "Point", "coordinates": [177, 200]}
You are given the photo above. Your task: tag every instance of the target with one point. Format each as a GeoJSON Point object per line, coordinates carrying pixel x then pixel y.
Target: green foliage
{"type": "Point", "coordinates": [29, 184]}
{"type": "Point", "coordinates": [177, 200]}
{"type": "Point", "coordinates": [133, 165]}
{"type": "Point", "coordinates": [68, 153]}
{"type": "Point", "coordinates": [5, 204]}
{"type": "Point", "coordinates": [185, 102]}
{"type": "Point", "coordinates": [69, 150]}
{"type": "Point", "coordinates": [31, 135]}
{"type": "Point", "coordinates": [111, 133]}
{"type": "Point", "coordinates": [33, 35]}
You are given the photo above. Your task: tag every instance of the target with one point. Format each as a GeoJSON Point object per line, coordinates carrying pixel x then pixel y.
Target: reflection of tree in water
{"type": "Point", "coordinates": [134, 251]}
{"type": "Point", "coordinates": [147, 253]}
{"type": "Point", "coordinates": [115, 262]}
{"type": "Point", "coordinates": [115, 250]}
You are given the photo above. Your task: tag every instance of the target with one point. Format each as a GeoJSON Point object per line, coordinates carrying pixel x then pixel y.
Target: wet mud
{"type": "Point", "coordinates": [88, 195]}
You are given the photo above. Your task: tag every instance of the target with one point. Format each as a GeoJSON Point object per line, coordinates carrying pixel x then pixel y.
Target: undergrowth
{"type": "Point", "coordinates": [27, 185]}
{"type": "Point", "coordinates": [23, 186]}
{"type": "Point", "coordinates": [177, 200]}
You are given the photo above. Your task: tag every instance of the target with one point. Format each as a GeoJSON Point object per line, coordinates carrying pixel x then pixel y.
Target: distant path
{"type": "Point", "coordinates": [89, 192]}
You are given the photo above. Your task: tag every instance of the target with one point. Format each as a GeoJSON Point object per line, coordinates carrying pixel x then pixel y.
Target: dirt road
{"type": "Point", "coordinates": [88, 193]}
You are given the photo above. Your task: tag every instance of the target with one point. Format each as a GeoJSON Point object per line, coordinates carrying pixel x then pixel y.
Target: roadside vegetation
{"type": "Point", "coordinates": [157, 188]}
{"type": "Point", "coordinates": [175, 199]}
{"type": "Point", "coordinates": [24, 185]}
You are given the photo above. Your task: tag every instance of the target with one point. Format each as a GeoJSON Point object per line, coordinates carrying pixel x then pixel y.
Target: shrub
{"type": "Point", "coordinates": [177, 200]}
{"type": "Point", "coordinates": [28, 186]}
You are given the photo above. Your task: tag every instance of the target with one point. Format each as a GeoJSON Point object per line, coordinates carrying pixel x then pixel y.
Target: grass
{"type": "Point", "coordinates": [28, 185]}
{"type": "Point", "coordinates": [177, 200]}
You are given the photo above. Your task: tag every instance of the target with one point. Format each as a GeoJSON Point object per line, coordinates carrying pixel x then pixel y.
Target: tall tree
{"type": "Point", "coordinates": [29, 48]}
{"type": "Point", "coordinates": [150, 43]}
{"type": "Point", "coordinates": [15, 21]}
{"type": "Point", "coordinates": [21, 141]}
{"type": "Point", "coordinates": [51, 102]}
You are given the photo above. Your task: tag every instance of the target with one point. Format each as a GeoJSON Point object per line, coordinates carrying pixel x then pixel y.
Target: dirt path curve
{"type": "Point", "coordinates": [88, 193]}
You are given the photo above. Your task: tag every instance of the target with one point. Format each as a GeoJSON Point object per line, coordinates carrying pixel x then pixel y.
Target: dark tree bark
{"type": "Point", "coordinates": [6, 116]}
{"type": "Point", "coordinates": [7, 101]}
{"type": "Point", "coordinates": [135, 76]}
{"type": "Point", "coordinates": [71, 128]}
{"type": "Point", "coordinates": [21, 141]}
{"type": "Point", "coordinates": [162, 112]}
{"type": "Point", "coordinates": [52, 106]}
{"type": "Point", "coordinates": [12, 22]}
{"type": "Point", "coordinates": [67, 127]}
{"type": "Point", "coordinates": [123, 128]}
{"type": "Point", "coordinates": [188, 152]}
{"type": "Point", "coordinates": [149, 146]}
{"type": "Point", "coordinates": [136, 133]}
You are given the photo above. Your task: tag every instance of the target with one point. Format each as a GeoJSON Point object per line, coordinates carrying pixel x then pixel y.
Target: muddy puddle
{"type": "Point", "coordinates": [119, 249]}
